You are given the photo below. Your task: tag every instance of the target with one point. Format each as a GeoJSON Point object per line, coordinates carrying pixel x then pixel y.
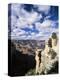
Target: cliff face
{"type": "Point", "coordinates": [22, 57]}
{"type": "Point", "coordinates": [50, 58]}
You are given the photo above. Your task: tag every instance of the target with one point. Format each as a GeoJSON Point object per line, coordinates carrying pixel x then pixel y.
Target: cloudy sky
{"type": "Point", "coordinates": [27, 21]}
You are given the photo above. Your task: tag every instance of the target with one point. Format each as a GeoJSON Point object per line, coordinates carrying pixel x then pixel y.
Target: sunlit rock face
{"type": "Point", "coordinates": [45, 60]}
{"type": "Point", "coordinates": [49, 58]}
{"type": "Point", "coordinates": [54, 42]}
{"type": "Point", "coordinates": [55, 45]}
{"type": "Point", "coordinates": [38, 59]}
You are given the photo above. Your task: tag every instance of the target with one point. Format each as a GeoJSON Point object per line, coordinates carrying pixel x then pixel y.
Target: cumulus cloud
{"type": "Point", "coordinates": [21, 20]}
{"type": "Point", "coordinates": [15, 9]}
{"type": "Point", "coordinates": [28, 19]}
{"type": "Point", "coordinates": [43, 8]}
{"type": "Point", "coordinates": [46, 24]}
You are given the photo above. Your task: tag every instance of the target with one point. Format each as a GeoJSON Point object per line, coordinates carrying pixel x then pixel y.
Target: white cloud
{"type": "Point", "coordinates": [16, 9]}
{"type": "Point", "coordinates": [21, 22]}
{"type": "Point", "coordinates": [35, 36]}
{"type": "Point", "coordinates": [43, 28]}
{"type": "Point", "coordinates": [13, 20]}
{"type": "Point", "coordinates": [24, 16]}
{"type": "Point", "coordinates": [46, 23]}
{"type": "Point", "coordinates": [42, 35]}
{"type": "Point", "coordinates": [26, 19]}
{"type": "Point", "coordinates": [43, 8]}
{"type": "Point", "coordinates": [32, 17]}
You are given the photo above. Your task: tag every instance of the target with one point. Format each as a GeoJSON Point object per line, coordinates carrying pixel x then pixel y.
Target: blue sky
{"type": "Point", "coordinates": [30, 21]}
